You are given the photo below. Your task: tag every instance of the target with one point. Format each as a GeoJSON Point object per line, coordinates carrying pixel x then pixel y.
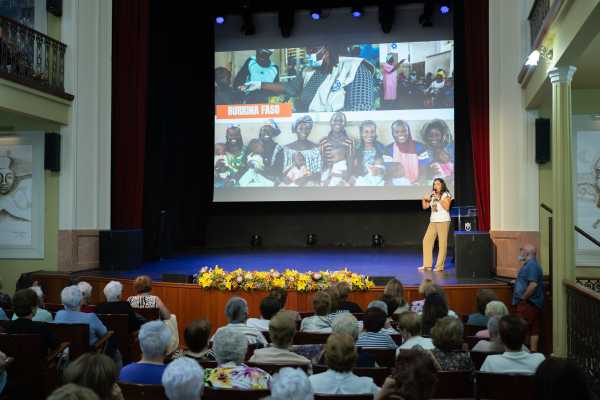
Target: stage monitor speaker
{"type": "Point", "coordinates": [177, 278]}
{"type": "Point", "coordinates": [381, 280]}
{"type": "Point", "coordinates": [542, 140]}
{"type": "Point", "coordinates": [52, 152]}
{"type": "Point", "coordinates": [472, 254]}
{"type": "Point", "coordinates": [121, 249]}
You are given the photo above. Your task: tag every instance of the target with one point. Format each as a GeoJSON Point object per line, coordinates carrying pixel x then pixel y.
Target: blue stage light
{"type": "Point", "coordinates": [356, 14]}
{"type": "Point", "coordinates": [444, 9]}
{"type": "Point", "coordinates": [220, 20]}
{"type": "Point", "coordinates": [315, 15]}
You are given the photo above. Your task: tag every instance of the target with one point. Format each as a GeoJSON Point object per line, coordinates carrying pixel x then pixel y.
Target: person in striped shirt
{"type": "Point", "coordinates": [373, 337]}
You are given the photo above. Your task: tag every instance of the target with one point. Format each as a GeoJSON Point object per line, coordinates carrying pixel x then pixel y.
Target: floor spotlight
{"type": "Point", "coordinates": [256, 240]}
{"type": "Point", "coordinates": [377, 240]}
{"type": "Point", "coordinates": [220, 20]}
{"type": "Point", "coordinates": [311, 239]}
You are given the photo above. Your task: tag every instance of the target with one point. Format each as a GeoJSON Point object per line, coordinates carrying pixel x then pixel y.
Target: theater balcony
{"type": "Point", "coordinates": [32, 75]}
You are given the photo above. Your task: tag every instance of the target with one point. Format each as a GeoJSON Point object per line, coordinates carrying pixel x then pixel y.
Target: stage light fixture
{"type": "Point", "coordinates": [256, 240]}
{"type": "Point", "coordinates": [377, 240]}
{"type": "Point", "coordinates": [444, 6]}
{"type": "Point", "coordinates": [220, 20]}
{"type": "Point", "coordinates": [248, 27]}
{"type": "Point", "coordinates": [315, 15]}
{"type": "Point", "coordinates": [311, 239]}
{"type": "Point", "coordinates": [357, 12]}
{"type": "Point", "coordinates": [386, 16]}
{"type": "Point", "coordinates": [286, 21]}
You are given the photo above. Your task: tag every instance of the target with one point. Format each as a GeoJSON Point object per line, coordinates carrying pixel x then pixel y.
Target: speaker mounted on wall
{"type": "Point", "coordinates": [55, 7]}
{"type": "Point", "coordinates": [52, 152]}
{"type": "Point", "coordinates": [542, 140]}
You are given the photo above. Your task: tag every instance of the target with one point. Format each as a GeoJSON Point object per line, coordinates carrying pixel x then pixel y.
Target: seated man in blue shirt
{"type": "Point", "coordinates": [71, 298]}
{"type": "Point", "coordinates": [528, 294]}
{"type": "Point", "coordinates": [154, 337]}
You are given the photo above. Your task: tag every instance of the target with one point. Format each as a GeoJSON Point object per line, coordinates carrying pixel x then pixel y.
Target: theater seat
{"type": "Point", "coordinates": [478, 357]}
{"type": "Point", "coordinates": [377, 374]}
{"type": "Point", "coordinates": [383, 357]}
{"type": "Point", "coordinates": [343, 396]}
{"type": "Point", "coordinates": [136, 391]}
{"type": "Point", "coordinates": [310, 338]}
{"type": "Point", "coordinates": [504, 386]}
{"type": "Point", "coordinates": [454, 385]}
{"type": "Point", "coordinates": [232, 394]}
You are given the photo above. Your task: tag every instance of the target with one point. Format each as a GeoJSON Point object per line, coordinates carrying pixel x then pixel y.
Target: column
{"type": "Point", "coordinates": [563, 236]}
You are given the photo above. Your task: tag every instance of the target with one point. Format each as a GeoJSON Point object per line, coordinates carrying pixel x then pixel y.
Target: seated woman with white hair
{"type": "Point", "coordinates": [113, 291]}
{"type": "Point", "coordinates": [154, 337]}
{"type": "Point", "coordinates": [494, 308]}
{"type": "Point", "coordinates": [236, 311]}
{"type": "Point", "coordinates": [71, 299]}
{"type": "Point", "coordinates": [340, 357]}
{"type": "Point", "coordinates": [495, 343]}
{"type": "Point", "coordinates": [291, 384]}
{"type": "Point", "coordinates": [39, 314]}
{"type": "Point", "coordinates": [230, 346]}
{"type": "Point", "coordinates": [183, 379]}
{"type": "Point", "coordinates": [86, 293]}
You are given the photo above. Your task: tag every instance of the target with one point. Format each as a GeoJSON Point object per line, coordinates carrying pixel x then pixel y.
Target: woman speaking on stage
{"type": "Point", "coordinates": [438, 200]}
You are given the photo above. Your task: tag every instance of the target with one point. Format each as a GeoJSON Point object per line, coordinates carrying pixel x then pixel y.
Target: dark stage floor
{"type": "Point", "coordinates": [401, 263]}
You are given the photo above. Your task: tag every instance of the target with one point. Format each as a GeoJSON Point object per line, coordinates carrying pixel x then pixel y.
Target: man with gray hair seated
{"type": "Point", "coordinates": [113, 291]}
{"type": "Point", "coordinates": [183, 379]}
{"type": "Point", "coordinates": [71, 298]}
{"type": "Point", "coordinates": [236, 311]}
{"type": "Point", "coordinates": [230, 346]}
{"type": "Point", "coordinates": [154, 337]}
{"type": "Point", "coordinates": [291, 384]}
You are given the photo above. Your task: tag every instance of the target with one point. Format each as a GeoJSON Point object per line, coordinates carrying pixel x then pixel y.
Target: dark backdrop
{"type": "Point", "coordinates": [178, 211]}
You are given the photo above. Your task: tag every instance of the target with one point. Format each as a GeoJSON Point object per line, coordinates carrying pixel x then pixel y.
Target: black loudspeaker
{"type": "Point", "coordinates": [472, 254]}
{"type": "Point", "coordinates": [52, 152]}
{"type": "Point", "coordinates": [54, 7]}
{"type": "Point", "coordinates": [121, 249]}
{"type": "Point", "coordinates": [177, 278]}
{"type": "Point", "coordinates": [542, 140]}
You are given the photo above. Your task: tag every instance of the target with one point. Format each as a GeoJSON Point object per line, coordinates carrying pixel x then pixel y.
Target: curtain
{"type": "Point", "coordinates": [477, 61]}
{"type": "Point", "coordinates": [129, 94]}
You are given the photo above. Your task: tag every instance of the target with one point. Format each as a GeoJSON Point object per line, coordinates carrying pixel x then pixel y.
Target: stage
{"type": "Point", "coordinates": [401, 263]}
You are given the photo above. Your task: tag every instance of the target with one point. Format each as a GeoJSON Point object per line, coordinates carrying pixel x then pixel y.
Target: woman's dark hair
{"type": "Point", "coordinates": [142, 284]}
{"type": "Point", "coordinates": [444, 186]}
{"type": "Point", "coordinates": [280, 294]}
{"type": "Point", "coordinates": [269, 306]}
{"type": "Point", "coordinates": [374, 319]}
{"type": "Point", "coordinates": [196, 335]}
{"type": "Point", "coordinates": [24, 301]}
{"type": "Point", "coordinates": [558, 378]}
{"type": "Point", "coordinates": [415, 375]}
{"type": "Point", "coordinates": [435, 308]}
{"type": "Point", "coordinates": [484, 296]}
{"type": "Point", "coordinates": [440, 126]}
{"type": "Point", "coordinates": [95, 371]}
{"type": "Point", "coordinates": [513, 332]}
{"type": "Point", "coordinates": [391, 302]}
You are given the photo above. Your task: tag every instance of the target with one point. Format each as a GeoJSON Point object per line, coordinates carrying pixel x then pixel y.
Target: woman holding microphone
{"type": "Point", "coordinates": [439, 201]}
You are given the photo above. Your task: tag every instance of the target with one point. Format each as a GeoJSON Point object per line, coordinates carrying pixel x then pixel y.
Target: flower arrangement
{"type": "Point", "coordinates": [290, 279]}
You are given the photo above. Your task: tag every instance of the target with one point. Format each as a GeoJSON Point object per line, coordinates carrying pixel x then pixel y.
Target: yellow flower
{"type": "Point", "coordinates": [278, 282]}
{"type": "Point", "coordinates": [228, 285]}
{"type": "Point", "coordinates": [205, 281]}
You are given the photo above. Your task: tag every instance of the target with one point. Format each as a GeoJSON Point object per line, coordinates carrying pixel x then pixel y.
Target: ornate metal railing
{"type": "Point", "coordinates": [583, 336]}
{"type": "Point", "coordinates": [31, 58]}
{"type": "Point", "coordinates": [536, 18]}
{"type": "Point", "coordinates": [590, 283]}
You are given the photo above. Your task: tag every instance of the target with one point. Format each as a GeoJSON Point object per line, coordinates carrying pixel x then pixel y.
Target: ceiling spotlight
{"type": "Point", "coordinates": [377, 240]}
{"type": "Point", "coordinates": [315, 15]}
{"type": "Point", "coordinates": [311, 239]}
{"type": "Point", "coordinates": [220, 20]}
{"type": "Point", "coordinates": [255, 240]}
{"type": "Point", "coordinates": [357, 12]}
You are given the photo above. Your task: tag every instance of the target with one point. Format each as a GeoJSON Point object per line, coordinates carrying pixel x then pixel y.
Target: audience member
{"type": "Point", "coordinates": [340, 357]}
{"type": "Point", "coordinates": [383, 306]}
{"type": "Point", "coordinates": [395, 289]}
{"type": "Point", "coordinates": [435, 288]}
{"type": "Point", "coordinates": [414, 378]}
{"type": "Point", "coordinates": [3, 316]}
{"type": "Point", "coordinates": [494, 308]}
{"type": "Point", "coordinates": [334, 294]}
{"type": "Point", "coordinates": [417, 305]}
{"type": "Point", "coordinates": [71, 299]}
{"type": "Point", "coordinates": [145, 299]}
{"type": "Point", "coordinates": [435, 308]}
{"type": "Point", "coordinates": [372, 336]}
{"type": "Point", "coordinates": [282, 329]}
{"type": "Point", "coordinates": [559, 379]}
{"type": "Point", "coordinates": [447, 335]}
{"type": "Point", "coordinates": [514, 360]}
{"type": "Point", "coordinates": [70, 391]}
{"type": "Point", "coordinates": [113, 292]}
{"type": "Point", "coordinates": [230, 346]}
{"type": "Point", "coordinates": [24, 305]}
{"type": "Point", "coordinates": [183, 379]}
{"type": "Point", "coordinates": [484, 296]}
{"type": "Point", "coordinates": [348, 324]}
{"type": "Point", "coordinates": [86, 293]}
{"type": "Point", "coordinates": [320, 321]}
{"type": "Point", "coordinates": [409, 324]}
{"type": "Point", "coordinates": [40, 314]}
{"type": "Point", "coordinates": [495, 343]}
{"type": "Point", "coordinates": [5, 300]}
{"type": "Point", "coordinates": [281, 295]}
{"type": "Point", "coordinates": [291, 384]}
{"type": "Point", "coordinates": [344, 290]}
{"type": "Point", "coordinates": [196, 336]}
{"type": "Point", "coordinates": [269, 306]}
{"type": "Point", "coordinates": [236, 311]}
{"type": "Point", "coordinates": [97, 372]}
{"type": "Point", "coordinates": [154, 338]}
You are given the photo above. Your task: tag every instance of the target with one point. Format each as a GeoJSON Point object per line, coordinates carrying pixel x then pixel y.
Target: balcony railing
{"type": "Point", "coordinates": [31, 58]}
{"type": "Point", "coordinates": [583, 336]}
